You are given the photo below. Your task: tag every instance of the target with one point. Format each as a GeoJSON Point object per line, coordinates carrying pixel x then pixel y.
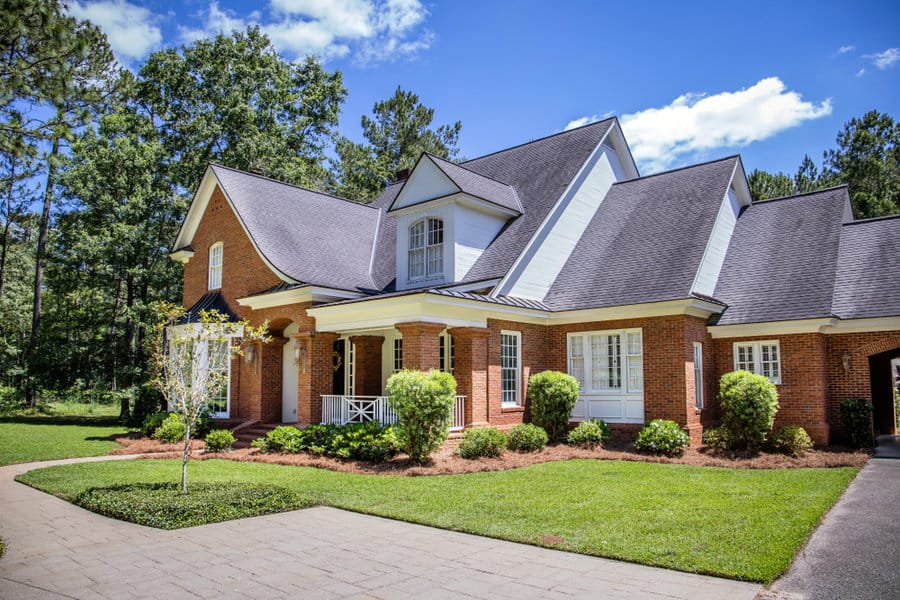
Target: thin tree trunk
{"type": "Point", "coordinates": [184, 459]}
{"type": "Point", "coordinates": [6, 225]}
{"type": "Point", "coordinates": [30, 391]}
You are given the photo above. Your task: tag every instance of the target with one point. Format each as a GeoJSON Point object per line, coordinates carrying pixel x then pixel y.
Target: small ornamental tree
{"type": "Point", "coordinates": [424, 406]}
{"type": "Point", "coordinates": [749, 403]}
{"type": "Point", "coordinates": [191, 363]}
{"type": "Point", "coordinates": [551, 396]}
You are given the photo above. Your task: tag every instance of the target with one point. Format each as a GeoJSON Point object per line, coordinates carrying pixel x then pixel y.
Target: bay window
{"type": "Point", "coordinates": [609, 368]}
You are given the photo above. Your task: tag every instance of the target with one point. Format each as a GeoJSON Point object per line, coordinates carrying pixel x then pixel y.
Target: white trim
{"type": "Point", "coordinates": [756, 346]}
{"type": "Point", "coordinates": [699, 391]}
{"type": "Point", "coordinates": [183, 256]}
{"type": "Point", "coordinates": [475, 285]}
{"type": "Point", "coordinates": [694, 307]}
{"type": "Point", "coordinates": [771, 328]}
{"type": "Point", "coordinates": [460, 198]}
{"type": "Point", "coordinates": [198, 208]}
{"type": "Point", "coordinates": [306, 293]}
{"type": "Point", "coordinates": [214, 277]}
{"type": "Point", "coordinates": [551, 217]}
{"type": "Point", "coordinates": [518, 337]}
{"type": "Point", "coordinates": [872, 324]}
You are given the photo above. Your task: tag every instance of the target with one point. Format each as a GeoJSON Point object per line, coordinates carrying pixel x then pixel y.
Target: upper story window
{"type": "Point", "coordinates": [215, 266]}
{"type": "Point", "coordinates": [426, 249]}
{"type": "Point", "coordinates": [763, 358]}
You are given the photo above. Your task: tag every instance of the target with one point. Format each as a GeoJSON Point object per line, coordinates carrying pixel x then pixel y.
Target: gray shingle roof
{"type": "Point", "coordinates": [646, 240]}
{"type": "Point", "coordinates": [309, 236]}
{"type": "Point", "coordinates": [478, 185]}
{"type": "Point", "coordinates": [868, 273]}
{"type": "Point", "coordinates": [208, 302]}
{"type": "Point", "coordinates": [782, 259]}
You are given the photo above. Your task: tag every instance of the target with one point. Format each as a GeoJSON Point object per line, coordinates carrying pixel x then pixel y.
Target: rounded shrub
{"type": "Point", "coordinates": [424, 406]}
{"type": "Point", "coordinates": [147, 401]}
{"type": "Point", "coordinates": [370, 441]}
{"type": "Point", "coordinates": [749, 403]}
{"type": "Point", "coordinates": [172, 429]}
{"type": "Point", "coordinates": [551, 397]}
{"type": "Point", "coordinates": [526, 437]}
{"type": "Point", "coordinates": [589, 433]}
{"type": "Point", "coordinates": [856, 415]}
{"type": "Point", "coordinates": [792, 440]}
{"type": "Point", "coordinates": [481, 442]}
{"type": "Point", "coordinates": [662, 437]}
{"type": "Point", "coordinates": [152, 422]}
{"type": "Point", "coordinates": [717, 437]}
{"type": "Point", "coordinates": [286, 438]}
{"type": "Point", "coordinates": [219, 440]}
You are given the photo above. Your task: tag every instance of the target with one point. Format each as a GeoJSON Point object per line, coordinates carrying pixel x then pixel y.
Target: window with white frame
{"type": "Point", "coordinates": [398, 354]}
{"type": "Point", "coordinates": [511, 367]}
{"type": "Point", "coordinates": [607, 361]}
{"type": "Point", "coordinates": [698, 375]}
{"type": "Point", "coordinates": [762, 358]}
{"type": "Point", "coordinates": [426, 249]}
{"type": "Point", "coordinates": [215, 266]}
{"type": "Point", "coordinates": [446, 351]}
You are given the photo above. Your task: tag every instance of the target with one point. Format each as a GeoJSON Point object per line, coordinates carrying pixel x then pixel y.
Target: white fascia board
{"type": "Point", "coordinates": [692, 306]}
{"type": "Point", "coordinates": [306, 293]}
{"type": "Point", "coordinates": [740, 184]}
{"type": "Point", "coordinates": [621, 147]}
{"type": "Point", "coordinates": [551, 217]}
{"type": "Point", "coordinates": [821, 325]}
{"type": "Point", "coordinates": [475, 285]}
{"type": "Point", "coordinates": [873, 324]}
{"type": "Point", "coordinates": [410, 182]}
{"type": "Point", "coordinates": [182, 256]}
{"type": "Point", "coordinates": [456, 198]}
{"type": "Point", "coordinates": [198, 208]}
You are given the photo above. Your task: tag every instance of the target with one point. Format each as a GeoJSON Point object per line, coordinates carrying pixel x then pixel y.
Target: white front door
{"type": "Point", "coordinates": [289, 379]}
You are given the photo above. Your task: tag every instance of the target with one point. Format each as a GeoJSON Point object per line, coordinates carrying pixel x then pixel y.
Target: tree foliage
{"type": "Point", "coordinates": [397, 134]}
{"type": "Point", "coordinates": [233, 100]}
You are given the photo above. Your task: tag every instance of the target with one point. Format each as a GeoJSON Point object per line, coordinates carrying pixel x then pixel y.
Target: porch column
{"type": "Point", "coordinates": [270, 357]}
{"type": "Point", "coordinates": [367, 364]}
{"type": "Point", "coordinates": [249, 381]}
{"type": "Point", "coordinates": [316, 376]}
{"type": "Point", "coordinates": [421, 344]}
{"type": "Point", "coordinates": [470, 368]}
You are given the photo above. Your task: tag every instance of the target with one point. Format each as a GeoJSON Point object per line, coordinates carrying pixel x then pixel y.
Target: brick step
{"type": "Point", "coordinates": [248, 434]}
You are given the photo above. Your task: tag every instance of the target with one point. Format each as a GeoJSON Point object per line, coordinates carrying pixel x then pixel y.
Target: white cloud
{"type": "Point", "coordinates": [885, 59]}
{"type": "Point", "coordinates": [370, 30]}
{"type": "Point", "coordinates": [861, 72]}
{"type": "Point", "coordinates": [698, 123]}
{"type": "Point", "coordinates": [846, 49]}
{"type": "Point", "coordinates": [132, 30]}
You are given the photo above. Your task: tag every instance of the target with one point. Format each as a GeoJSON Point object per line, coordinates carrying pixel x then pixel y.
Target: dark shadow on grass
{"type": "Point", "coordinates": [62, 420]}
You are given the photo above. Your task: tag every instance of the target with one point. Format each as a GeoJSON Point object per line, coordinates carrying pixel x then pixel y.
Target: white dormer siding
{"type": "Point", "coordinates": [714, 256]}
{"type": "Point", "coordinates": [545, 256]}
{"type": "Point", "coordinates": [468, 229]}
{"type": "Point", "coordinates": [426, 182]}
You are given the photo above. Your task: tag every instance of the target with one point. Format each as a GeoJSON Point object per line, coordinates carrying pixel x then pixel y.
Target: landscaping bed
{"type": "Point", "coordinates": [137, 443]}
{"type": "Point", "coordinates": [445, 462]}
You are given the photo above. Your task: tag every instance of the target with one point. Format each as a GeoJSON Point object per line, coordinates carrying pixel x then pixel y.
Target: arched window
{"type": "Point", "coordinates": [426, 249]}
{"type": "Point", "coordinates": [215, 266]}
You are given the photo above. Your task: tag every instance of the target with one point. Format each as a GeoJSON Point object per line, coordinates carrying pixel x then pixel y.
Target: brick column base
{"type": "Point", "coordinates": [316, 376]}
{"type": "Point", "coordinates": [470, 369]}
{"type": "Point", "coordinates": [270, 372]}
{"type": "Point", "coordinates": [421, 344]}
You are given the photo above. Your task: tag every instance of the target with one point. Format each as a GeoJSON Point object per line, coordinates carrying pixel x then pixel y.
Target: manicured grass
{"type": "Point", "coordinates": [738, 523]}
{"type": "Point", "coordinates": [26, 439]}
{"type": "Point", "coordinates": [64, 409]}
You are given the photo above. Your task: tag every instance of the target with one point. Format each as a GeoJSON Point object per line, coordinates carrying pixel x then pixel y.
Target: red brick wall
{"type": "Point", "coordinates": [367, 370]}
{"type": "Point", "coordinates": [535, 359]}
{"type": "Point", "coordinates": [803, 392]}
{"type": "Point", "coordinates": [421, 349]}
{"type": "Point", "coordinates": [471, 371]}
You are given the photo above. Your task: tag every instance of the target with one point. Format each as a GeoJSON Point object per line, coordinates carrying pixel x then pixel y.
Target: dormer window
{"type": "Point", "coordinates": [215, 266]}
{"type": "Point", "coordinates": [426, 249]}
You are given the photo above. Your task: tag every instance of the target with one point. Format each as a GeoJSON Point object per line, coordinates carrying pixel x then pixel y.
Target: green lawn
{"type": "Point", "coordinates": [738, 523]}
{"type": "Point", "coordinates": [26, 439]}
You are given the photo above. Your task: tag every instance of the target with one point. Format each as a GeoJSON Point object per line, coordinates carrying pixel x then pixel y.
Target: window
{"type": "Point", "coordinates": [398, 354]}
{"type": "Point", "coordinates": [698, 375]}
{"type": "Point", "coordinates": [215, 266]}
{"type": "Point", "coordinates": [510, 367]}
{"type": "Point", "coordinates": [426, 249]}
{"type": "Point", "coordinates": [763, 358]}
{"type": "Point", "coordinates": [447, 352]}
{"type": "Point", "coordinates": [607, 361]}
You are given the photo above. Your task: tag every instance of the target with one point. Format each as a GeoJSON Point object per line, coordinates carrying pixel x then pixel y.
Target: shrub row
{"type": "Point", "coordinates": [370, 441]}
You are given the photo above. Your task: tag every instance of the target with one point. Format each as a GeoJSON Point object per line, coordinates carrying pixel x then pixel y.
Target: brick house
{"type": "Point", "coordinates": [554, 254]}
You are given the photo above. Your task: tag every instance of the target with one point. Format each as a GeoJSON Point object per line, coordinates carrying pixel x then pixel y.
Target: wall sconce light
{"type": "Point", "coordinates": [299, 353]}
{"type": "Point", "coordinates": [249, 354]}
{"type": "Point", "coordinates": [845, 362]}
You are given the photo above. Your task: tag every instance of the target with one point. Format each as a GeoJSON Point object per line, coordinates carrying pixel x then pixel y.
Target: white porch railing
{"type": "Point", "coordinates": [359, 409]}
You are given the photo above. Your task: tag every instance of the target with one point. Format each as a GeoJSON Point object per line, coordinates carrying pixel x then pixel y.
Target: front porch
{"type": "Point", "coordinates": [340, 410]}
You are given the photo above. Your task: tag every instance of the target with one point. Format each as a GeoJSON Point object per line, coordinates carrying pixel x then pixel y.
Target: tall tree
{"type": "Point", "coordinates": [764, 185]}
{"type": "Point", "coordinates": [56, 74]}
{"type": "Point", "coordinates": [397, 134]}
{"type": "Point", "coordinates": [867, 158]}
{"type": "Point", "coordinates": [807, 178]}
{"type": "Point", "coordinates": [233, 100]}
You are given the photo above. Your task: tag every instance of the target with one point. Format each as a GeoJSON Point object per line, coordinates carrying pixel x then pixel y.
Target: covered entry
{"type": "Point", "coordinates": [884, 370]}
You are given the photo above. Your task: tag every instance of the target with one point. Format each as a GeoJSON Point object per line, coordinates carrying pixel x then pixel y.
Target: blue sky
{"type": "Point", "coordinates": [690, 81]}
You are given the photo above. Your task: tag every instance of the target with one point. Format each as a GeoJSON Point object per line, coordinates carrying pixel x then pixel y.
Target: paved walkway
{"type": "Point", "coordinates": [855, 552]}
{"type": "Point", "coordinates": [57, 550]}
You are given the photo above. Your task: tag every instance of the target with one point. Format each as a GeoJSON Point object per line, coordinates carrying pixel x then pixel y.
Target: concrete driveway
{"type": "Point", "coordinates": [855, 552]}
{"type": "Point", "coordinates": [57, 550]}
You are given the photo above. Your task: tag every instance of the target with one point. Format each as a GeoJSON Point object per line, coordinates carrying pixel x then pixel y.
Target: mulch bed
{"type": "Point", "coordinates": [445, 462]}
